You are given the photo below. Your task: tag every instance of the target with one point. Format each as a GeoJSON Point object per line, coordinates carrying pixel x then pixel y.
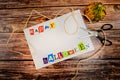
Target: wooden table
{"type": "Point", "coordinates": [103, 66]}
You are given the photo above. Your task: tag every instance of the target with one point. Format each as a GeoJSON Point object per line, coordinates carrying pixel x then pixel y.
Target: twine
{"type": "Point", "coordinates": [73, 15]}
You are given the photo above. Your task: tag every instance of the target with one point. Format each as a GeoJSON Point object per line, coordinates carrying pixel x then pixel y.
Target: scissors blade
{"type": "Point", "coordinates": [93, 33]}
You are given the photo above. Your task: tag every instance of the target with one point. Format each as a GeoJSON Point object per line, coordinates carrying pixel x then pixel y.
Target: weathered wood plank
{"type": "Point", "coordinates": [91, 69]}
{"type": "Point", "coordinates": [4, 4]}
{"type": "Point", "coordinates": [13, 66]}
{"type": "Point", "coordinates": [17, 17]}
{"type": "Point", "coordinates": [6, 29]}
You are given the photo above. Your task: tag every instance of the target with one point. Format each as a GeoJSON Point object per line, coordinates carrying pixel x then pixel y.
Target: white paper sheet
{"type": "Point", "coordinates": [49, 43]}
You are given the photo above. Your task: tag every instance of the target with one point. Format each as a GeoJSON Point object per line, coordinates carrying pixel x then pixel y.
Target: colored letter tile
{"type": "Point", "coordinates": [71, 52]}
{"type": "Point", "coordinates": [55, 57]}
{"type": "Point", "coordinates": [45, 61]}
{"type": "Point", "coordinates": [31, 31]}
{"type": "Point", "coordinates": [46, 27]}
{"type": "Point", "coordinates": [81, 46]}
{"type": "Point", "coordinates": [52, 25]}
{"type": "Point", "coordinates": [50, 58]}
{"type": "Point", "coordinates": [60, 56]}
{"type": "Point", "coordinates": [65, 53]}
{"type": "Point", "coordinates": [41, 29]}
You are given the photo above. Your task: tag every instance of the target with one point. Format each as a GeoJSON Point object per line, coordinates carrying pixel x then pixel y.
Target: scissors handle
{"type": "Point", "coordinates": [107, 27]}
{"type": "Point", "coordinates": [102, 40]}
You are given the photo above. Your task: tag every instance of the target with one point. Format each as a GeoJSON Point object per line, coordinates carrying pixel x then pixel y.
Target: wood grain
{"type": "Point", "coordinates": [18, 17]}
{"type": "Point", "coordinates": [92, 69]}
{"type": "Point", "coordinates": [13, 4]}
{"type": "Point", "coordinates": [13, 66]}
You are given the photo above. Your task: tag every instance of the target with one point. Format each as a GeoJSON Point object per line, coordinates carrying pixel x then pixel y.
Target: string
{"type": "Point", "coordinates": [100, 49]}
{"type": "Point", "coordinates": [7, 43]}
{"type": "Point", "coordinates": [73, 15]}
{"type": "Point", "coordinates": [25, 26]}
{"type": "Point", "coordinates": [31, 16]}
{"type": "Point", "coordinates": [87, 58]}
{"type": "Point", "coordinates": [58, 13]}
{"type": "Point", "coordinates": [77, 26]}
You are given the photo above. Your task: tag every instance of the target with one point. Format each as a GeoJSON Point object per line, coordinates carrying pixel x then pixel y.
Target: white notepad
{"type": "Point", "coordinates": [49, 43]}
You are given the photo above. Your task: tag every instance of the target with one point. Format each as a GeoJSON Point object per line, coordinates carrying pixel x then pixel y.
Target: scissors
{"type": "Point", "coordinates": [97, 34]}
